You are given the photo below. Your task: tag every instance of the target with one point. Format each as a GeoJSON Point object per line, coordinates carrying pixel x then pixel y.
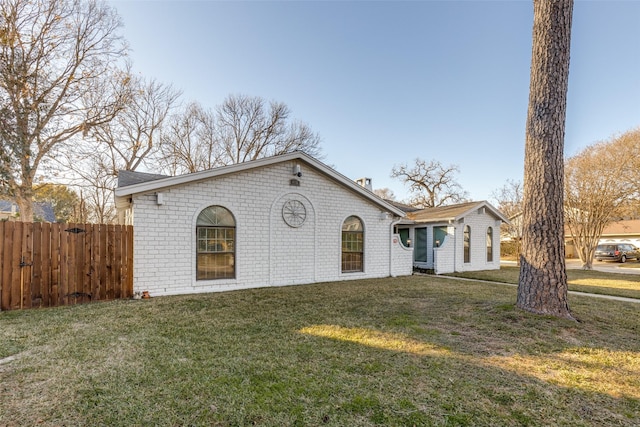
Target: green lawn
{"type": "Point", "coordinates": [418, 350]}
{"type": "Point", "coordinates": [596, 282]}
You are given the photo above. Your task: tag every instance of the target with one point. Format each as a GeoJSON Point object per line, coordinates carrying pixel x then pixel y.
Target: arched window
{"type": "Point", "coordinates": [489, 244]}
{"type": "Point", "coordinates": [352, 245]}
{"type": "Point", "coordinates": [467, 244]}
{"type": "Point", "coordinates": [216, 244]}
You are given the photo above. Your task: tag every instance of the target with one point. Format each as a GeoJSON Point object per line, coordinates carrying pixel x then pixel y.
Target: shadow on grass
{"type": "Point", "coordinates": [404, 351]}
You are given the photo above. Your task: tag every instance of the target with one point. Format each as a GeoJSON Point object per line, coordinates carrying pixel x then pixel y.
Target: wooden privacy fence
{"type": "Point", "coordinates": [46, 265]}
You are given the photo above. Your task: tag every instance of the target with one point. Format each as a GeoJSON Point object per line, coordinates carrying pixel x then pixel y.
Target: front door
{"type": "Point", "coordinates": [420, 250]}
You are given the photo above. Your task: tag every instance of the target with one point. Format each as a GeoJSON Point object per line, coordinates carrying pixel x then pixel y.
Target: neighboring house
{"type": "Point", "coordinates": [42, 211]}
{"type": "Point", "coordinates": [281, 220]}
{"type": "Point", "coordinates": [461, 237]}
{"type": "Point", "coordinates": [624, 231]}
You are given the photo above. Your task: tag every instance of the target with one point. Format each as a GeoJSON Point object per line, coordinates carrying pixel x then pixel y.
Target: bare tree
{"type": "Point", "coordinates": [431, 184]}
{"type": "Point", "coordinates": [53, 53]}
{"type": "Point", "coordinates": [95, 180]}
{"type": "Point", "coordinates": [508, 199]}
{"type": "Point", "coordinates": [385, 193]}
{"type": "Point", "coordinates": [242, 128]}
{"type": "Point", "coordinates": [132, 136]}
{"type": "Point", "coordinates": [125, 143]}
{"type": "Point", "coordinates": [542, 286]}
{"type": "Point", "coordinates": [247, 130]}
{"type": "Point", "coordinates": [599, 182]}
{"type": "Point", "coordinates": [188, 141]}
{"type": "Point", "coordinates": [630, 140]}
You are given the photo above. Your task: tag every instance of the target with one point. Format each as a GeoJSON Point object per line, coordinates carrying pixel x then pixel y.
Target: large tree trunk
{"type": "Point", "coordinates": [24, 200]}
{"type": "Point", "coordinates": [542, 286]}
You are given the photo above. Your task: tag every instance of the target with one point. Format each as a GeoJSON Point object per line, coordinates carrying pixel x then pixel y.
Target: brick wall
{"type": "Point", "coordinates": [268, 251]}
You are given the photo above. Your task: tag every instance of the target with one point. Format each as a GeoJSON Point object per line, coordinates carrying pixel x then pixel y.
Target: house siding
{"type": "Point", "coordinates": [268, 251]}
{"type": "Point", "coordinates": [449, 256]}
{"type": "Point", "coordinates": [479, 223]}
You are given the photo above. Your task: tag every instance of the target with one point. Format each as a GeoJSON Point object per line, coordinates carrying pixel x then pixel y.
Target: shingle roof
{"type": "Point", "coordinates": [159, 182]}
{"type": "Point", "coordinates": [631, 226]}
{"type": "Point", "coordinates": [402, 206]}
{"type": "Point", "coordinates": [453, 212]}
{"type": "Point", "coordinates": [131, 177]}
{"type": "Point", "coordinates": [5, 206]}
{"type": "Point", "coordinates": [42, 210]}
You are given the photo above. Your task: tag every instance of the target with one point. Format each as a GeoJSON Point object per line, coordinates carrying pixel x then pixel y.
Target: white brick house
{"type": "Point", "coordinates": [462, 237]}
{"type": "Point", "coordinates": [276, 221]}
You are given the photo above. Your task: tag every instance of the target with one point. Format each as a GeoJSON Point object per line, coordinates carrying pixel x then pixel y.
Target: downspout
{"type": "Point", "coordinates": [393, 224]}
{"type": "Point", "coordinates": [455, 244]}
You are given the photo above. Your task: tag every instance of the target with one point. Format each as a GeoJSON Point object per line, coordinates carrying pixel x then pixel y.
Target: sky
{"type": "Point", "coordinates": [386, 82]}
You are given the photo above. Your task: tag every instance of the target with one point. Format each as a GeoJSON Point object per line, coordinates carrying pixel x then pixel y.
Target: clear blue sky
{"type": "Point", "coordinates": [384, 82]}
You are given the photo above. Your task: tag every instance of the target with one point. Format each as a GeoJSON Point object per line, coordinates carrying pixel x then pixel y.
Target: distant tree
{"type": "Point", "coordinates": [430, 183]}
{"type": "Point", "coordinates": [385, 193]}
{"type": "Point", "coordinates": [599, 183]}
{"type": "Point", "coordinates": [134, 133]}
{"type": "Point", "coordinates": [53, 55]}
{"type": "Point", "coordinates": [630, 140]}
{"type": "Point", "coordinates": [247, 130]}
{"type": "Point", "coordinates": [64, 201]}
{"type": "Point", "coordinates": [96, 181]}
{"type": "Point", "coordinates": [542, 286]}
{"type": "Point", "coordinates": [508, 200]}
{"type": "Point", "coordinates": [188, 142]}
{"type": "Point", "coordinates": [125, 143]}
{"type": "Point", "coordinates": [242, 128]}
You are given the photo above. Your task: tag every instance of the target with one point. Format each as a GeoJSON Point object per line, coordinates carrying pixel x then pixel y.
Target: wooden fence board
{"type": "Point", "coordinates": [15, 268]}
{"type": "Point", "coordinates": [94, 277]}
{"type": "Point", "coordinates": [5, 259]}
{"type": "Point", "coordinates": [55, 267]}
{"type": "Point", "coordinates": [86, 263]}
{"type": "Point", "coordinates": [35, 290]}
{"type": "Point", "coordinates": [45, 273]}
{"type": "Point", "coordinates": [103, 265]}
{"type": "Point", "coordinates": [63, 282]}
{"type": "Point", "coordinates": [43, 265]}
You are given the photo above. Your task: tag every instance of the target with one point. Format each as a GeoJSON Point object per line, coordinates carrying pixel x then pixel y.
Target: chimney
{"type": "Point", "coordinates": [365, 182]}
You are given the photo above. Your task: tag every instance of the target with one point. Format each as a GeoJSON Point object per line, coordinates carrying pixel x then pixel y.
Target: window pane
{"type": "Point", "coordinates": [216, 216]}
{"type": "Point", "coordinates": [352, 245]}
{"type": "Point", "coordinates": [215, 246]}
{"type": "Point", "coordinates": [352, 262]}
{"type": "Point", "coordinates": [352, 223]}
{"type": "Point", "coordinates": [215, 266]}
{"type": "Point", "coordinates": [467, 244]}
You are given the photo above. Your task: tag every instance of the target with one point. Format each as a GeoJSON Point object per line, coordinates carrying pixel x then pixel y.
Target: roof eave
{"type": "Point", "coordinates": [267, 161]}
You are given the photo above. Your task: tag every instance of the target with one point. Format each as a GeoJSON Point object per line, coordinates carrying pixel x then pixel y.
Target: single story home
{"type": "Point", "coordinates": [461, 237]}
{"type": "Point", "coordinates": [286, 220]}
{"type": "Point", "coordinates": [275, 221]}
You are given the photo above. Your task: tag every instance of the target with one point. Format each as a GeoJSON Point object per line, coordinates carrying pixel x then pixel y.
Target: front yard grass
{"type": "Point", "coordinates": [595, 282]}
{"type": "Point", "coordinates": [418, 350]}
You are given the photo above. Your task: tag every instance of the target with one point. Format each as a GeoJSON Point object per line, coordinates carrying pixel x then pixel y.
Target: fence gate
{"type": "Point", "coordinates": [46, 265]}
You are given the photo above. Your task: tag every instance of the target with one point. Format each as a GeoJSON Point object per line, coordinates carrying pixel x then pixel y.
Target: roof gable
{"type": "Point", "coordinates": [165, 182]}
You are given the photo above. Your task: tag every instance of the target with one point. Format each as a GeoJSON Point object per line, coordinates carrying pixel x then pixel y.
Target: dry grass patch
{"type": "Point", "coordinates": [419, 350]}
